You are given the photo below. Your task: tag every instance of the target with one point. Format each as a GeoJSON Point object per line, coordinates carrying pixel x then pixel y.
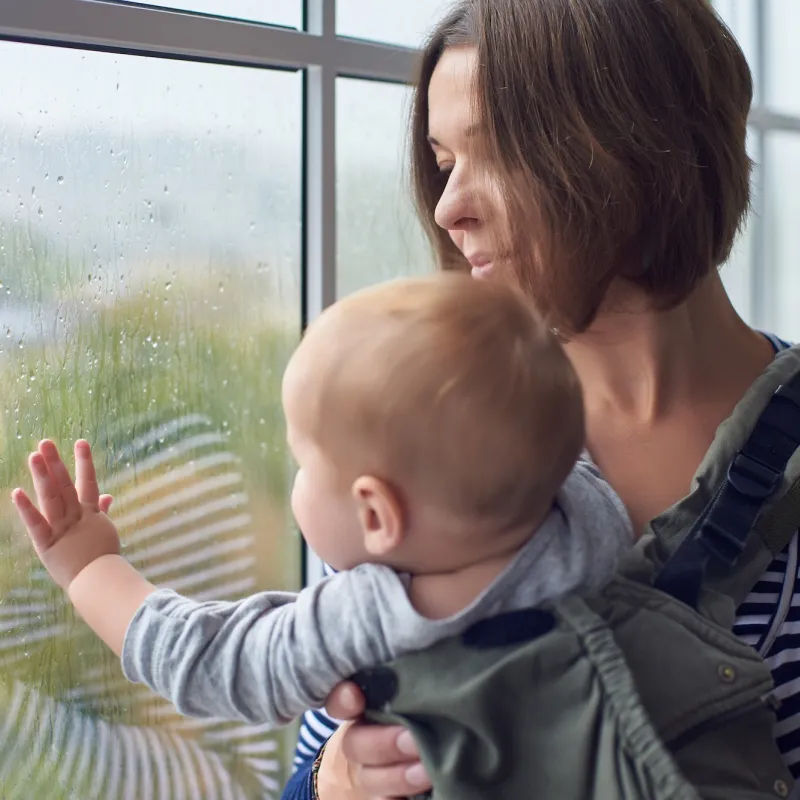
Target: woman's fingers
{"type": "Point", "coordinates": [370, 762]}
{"type": "Point", "coordinates": [388, 782]}
{"type": "Point", "coordinates": [384, 761]}
{"type": "Point", "coordinates": [39, 530]}
{"type": "Point", "coordinates": [85, 476]}
{"type": "Point", "coordinates": [379, 746]}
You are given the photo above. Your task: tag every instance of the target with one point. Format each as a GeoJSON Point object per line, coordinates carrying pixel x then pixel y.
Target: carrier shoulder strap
{"type": "Point", "coordinates": [759, 495]}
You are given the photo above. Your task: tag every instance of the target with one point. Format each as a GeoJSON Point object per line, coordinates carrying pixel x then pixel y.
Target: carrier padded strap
{"type": "Point", "coordinates": [721, 533]}
{"type": "Point", "coordinates": [774, 530]}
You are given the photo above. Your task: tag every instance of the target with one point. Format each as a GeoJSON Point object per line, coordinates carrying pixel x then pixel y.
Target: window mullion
{"type": "Point", "coordinates": [319, 220]}
{"type": "Point", "coordinates": [145, 30]}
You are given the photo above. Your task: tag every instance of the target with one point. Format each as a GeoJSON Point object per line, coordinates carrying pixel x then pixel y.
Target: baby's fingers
{"type": "Point", "coordinates": [85, 475]}
{"type": "Point", "coordinates": [62, 482]}
{"type": "Point", "coordinates": [39, 530]}
{"type": "Point", "coordinates": [48, 496]}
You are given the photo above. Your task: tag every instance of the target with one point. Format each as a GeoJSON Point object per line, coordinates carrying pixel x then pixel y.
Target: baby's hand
{"type": "Point", "coordinates": [71, 530]}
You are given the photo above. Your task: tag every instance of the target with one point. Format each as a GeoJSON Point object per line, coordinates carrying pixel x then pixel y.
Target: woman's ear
{"type": "Point", "coordinates": [380, 514]}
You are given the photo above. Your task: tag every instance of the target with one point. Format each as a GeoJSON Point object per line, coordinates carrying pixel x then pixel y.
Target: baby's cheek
{"type": "Point", "coordinates": [297, 500]}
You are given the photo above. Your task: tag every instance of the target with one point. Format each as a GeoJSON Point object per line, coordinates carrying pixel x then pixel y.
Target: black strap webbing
{"type": "Point", "coordinates": [720, 534]}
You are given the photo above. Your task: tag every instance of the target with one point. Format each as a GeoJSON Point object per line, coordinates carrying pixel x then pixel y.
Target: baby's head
{"type": "Point", "coordinates": [432, 420]}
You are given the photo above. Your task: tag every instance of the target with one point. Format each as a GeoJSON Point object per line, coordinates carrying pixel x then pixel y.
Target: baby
{"type": "Point", "coordinates": [437, 426]}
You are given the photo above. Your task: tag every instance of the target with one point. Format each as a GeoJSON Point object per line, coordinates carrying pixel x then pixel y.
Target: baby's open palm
{"type": "Point", "coordinates": [70, 529]}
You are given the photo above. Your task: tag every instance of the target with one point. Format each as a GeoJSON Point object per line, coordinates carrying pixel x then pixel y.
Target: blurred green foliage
{"type": "Point", "coordinates": [104, 364]}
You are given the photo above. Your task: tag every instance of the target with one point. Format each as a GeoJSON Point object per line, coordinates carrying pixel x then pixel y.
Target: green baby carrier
{"type": "Point", "coordinates": [640, 691]}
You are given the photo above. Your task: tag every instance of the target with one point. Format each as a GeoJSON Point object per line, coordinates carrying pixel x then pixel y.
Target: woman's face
{"type": "Point", "coordinates": [470, 208]}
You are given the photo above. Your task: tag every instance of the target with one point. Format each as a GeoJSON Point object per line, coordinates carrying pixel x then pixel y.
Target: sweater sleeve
{"type": "Point", "coordinates": [265, 659]}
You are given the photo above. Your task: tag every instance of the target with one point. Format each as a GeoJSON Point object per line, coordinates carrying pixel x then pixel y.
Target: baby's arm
{"type": "Point", "coordinates": [264, 659]}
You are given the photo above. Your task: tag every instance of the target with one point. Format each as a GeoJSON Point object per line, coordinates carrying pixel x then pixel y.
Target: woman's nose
{"type": "Point", "coordinates": [456, 209]}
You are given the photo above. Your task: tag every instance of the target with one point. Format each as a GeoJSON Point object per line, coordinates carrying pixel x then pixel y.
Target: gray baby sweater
{"type": "Point", "coordinates": [274, 655]}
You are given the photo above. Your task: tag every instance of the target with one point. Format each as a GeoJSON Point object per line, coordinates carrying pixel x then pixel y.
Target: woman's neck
{"type": "Point", "coordinates": [646, 365]}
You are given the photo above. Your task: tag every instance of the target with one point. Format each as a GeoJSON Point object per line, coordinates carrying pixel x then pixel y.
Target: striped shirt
{"type": "Point", "coordinates": [769, 620]}
{"type": "Point", "coordinates": [71, 726]}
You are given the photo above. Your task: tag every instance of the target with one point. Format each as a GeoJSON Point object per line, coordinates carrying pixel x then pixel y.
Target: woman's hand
{"type": "Point", "coordinates": [367, 762]}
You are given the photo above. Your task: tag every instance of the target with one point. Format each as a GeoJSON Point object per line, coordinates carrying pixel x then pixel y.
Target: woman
{"type": "Point", "coordinates": [595, 153]}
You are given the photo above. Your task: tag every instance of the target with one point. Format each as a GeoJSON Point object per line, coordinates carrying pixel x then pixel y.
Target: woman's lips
{"type": "Point", "coordinates": [481, 265]}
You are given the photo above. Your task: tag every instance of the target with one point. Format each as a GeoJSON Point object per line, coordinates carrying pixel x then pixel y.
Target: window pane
{"type": "Point", "coordinates": [741, 16]}
{"type": "Point", "coordinates": [273, 12]}
{"type": "Point", "coordinates": [782, 56]}
{"type": "Point", "coordinates": [403, 23]}
{"type": "Point", "coordinates": [378, 236]}
{"type": "Point", "coordinates": [737, 272]}
{"type": "Point", "coordinates": [782, 161]}
{"type": "Point", "coordinates": [149, 256]}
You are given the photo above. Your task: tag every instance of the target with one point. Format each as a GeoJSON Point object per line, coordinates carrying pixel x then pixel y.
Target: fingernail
{"type": "Point", "coordinates": [406, 744]}
{"type": "Point", "coordinates": [417, 776]}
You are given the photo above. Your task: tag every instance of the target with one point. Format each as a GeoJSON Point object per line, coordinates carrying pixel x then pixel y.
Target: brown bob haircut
{"type": "Point", "coordinates": [617, 131]}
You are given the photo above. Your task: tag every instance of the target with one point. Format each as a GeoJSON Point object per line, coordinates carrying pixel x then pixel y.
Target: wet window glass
{"type": "Point", "coordinates": [378, 234]}
{"type": "Point", "coordinates": [782, 235]}
{"type": "Point", "coordinates": [150, 228]}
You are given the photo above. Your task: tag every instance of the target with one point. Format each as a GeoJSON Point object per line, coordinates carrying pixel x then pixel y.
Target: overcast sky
{"type": "Point", "coordinates": [70, 88]}
{"type": "Point", "coordinates": [63, 88]}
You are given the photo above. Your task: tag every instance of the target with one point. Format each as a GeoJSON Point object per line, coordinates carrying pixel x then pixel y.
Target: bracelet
{"type": "Point", "coordinates": [315, 773]}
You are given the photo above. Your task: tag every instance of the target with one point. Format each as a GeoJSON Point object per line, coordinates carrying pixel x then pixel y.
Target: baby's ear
{"type": "Point", "coordinates": [381, 515]}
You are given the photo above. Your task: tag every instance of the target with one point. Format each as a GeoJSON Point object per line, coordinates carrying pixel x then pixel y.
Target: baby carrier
{"type": "Point", "coordinates": [640, 691]}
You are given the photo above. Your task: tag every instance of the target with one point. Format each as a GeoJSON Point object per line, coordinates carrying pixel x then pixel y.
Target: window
{"type": "Point", "coordinates": [167, 224]}
{"type": "Point", "coordinates": [762, 272]}
{"type": "Point", "coordinates": [738, 272]}
{"type": "Point", "coordinates": [378, 235]}
{"type": "Point", "coordinates": [781, 164]}
{"type": "Point", "coordinates": [782, 212]}
{"type": "Point", "coordinates": [743, 19]}
{"type": "Point", "coordinates": [150, 241]}
{"type": "Point", "coordinates": [782, 57]}
{"type": "Point", "coordinates": [399, 23]}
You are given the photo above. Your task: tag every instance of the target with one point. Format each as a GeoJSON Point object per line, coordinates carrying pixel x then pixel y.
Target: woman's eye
{"type": "Point", "coordinates": [443, 174]}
